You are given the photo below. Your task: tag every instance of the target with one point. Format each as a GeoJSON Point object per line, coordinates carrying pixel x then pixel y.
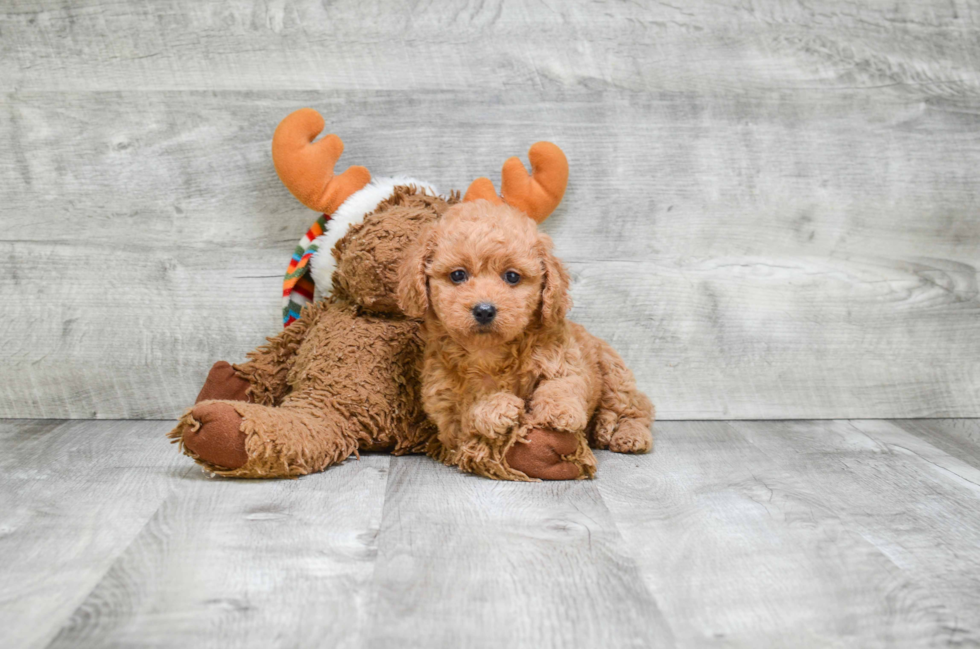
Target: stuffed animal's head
{"type": "Point", "coordinates": [367, 258]}
{"type": "Point", "coordinates": [486, 274]}
{"type": "Point", "coordinates": [373, 224]}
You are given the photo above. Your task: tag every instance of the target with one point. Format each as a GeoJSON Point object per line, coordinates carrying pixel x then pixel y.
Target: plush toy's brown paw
{"type": "Point", "coordinates": [539, 455]}
{"type": "Point", "coordinates": [218, 440]}
{"type": "Point", "coordinates": [631, 436]}
{"type": "Point", "coordinates": [223, 383]}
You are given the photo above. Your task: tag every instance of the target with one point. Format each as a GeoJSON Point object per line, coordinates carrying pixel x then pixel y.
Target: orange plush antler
{"type": "Point", "coordinates": [306, 167]}
{"type": "Point", "coordinates": [537, 194]}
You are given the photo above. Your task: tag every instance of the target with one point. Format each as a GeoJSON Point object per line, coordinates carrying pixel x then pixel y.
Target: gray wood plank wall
{"type": "Point", "coordinates": [772, 210]}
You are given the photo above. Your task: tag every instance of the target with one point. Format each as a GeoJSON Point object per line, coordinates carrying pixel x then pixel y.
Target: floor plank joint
{"type": "Point", "coordinates": [862, 533]}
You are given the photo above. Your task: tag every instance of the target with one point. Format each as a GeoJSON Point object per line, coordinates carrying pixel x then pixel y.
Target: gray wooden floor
{"type": "Point", "coordinates": [855, 533]}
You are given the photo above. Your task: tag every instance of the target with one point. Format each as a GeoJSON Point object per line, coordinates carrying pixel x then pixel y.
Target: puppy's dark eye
{"type": "Point", "coordinates": [512, 277]}
{"type": "Point", "coordinates": [458, 276]}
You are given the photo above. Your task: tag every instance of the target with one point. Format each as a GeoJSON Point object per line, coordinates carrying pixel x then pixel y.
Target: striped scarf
{"type": "Point", "coordinates": [297, 286]}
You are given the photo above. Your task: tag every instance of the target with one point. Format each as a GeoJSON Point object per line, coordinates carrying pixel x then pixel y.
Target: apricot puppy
{"type": "Point", "coordinates": [502, 365]}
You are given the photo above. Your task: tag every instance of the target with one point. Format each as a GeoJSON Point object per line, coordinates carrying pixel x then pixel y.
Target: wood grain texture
{"type": "Point", "coordinates": [244, 563]}
{"type": "Point", "coordinates": [72, 498]}
{"type": "Point", "coordinates": [735, 534]}
{"type": "Point", "coordinates": [467, 562]}
{"type": "Point", "coordinates": [957, 437]}
{"type": "Point", "coordinates": [700, 46]}
{"type": "Point", "coordinates": [774, 534]}
{"type": "Point", "coordinates": [771, 212]}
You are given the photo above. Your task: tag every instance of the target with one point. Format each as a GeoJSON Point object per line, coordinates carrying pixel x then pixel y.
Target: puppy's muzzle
{"type": "Point", "coordinates": [484, 313]}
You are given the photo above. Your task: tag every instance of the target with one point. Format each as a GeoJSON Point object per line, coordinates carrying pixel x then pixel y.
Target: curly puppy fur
{"type": "Point", "coordinates": [487, 386]}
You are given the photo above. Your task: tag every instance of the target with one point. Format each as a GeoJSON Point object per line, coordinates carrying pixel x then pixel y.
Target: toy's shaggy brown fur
{"type": "Point", "coordinates": [342, 378]}
{"type": "Point", "coordinates": [493, 388]}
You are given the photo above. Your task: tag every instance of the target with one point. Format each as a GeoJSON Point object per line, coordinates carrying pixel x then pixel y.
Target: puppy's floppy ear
{"type": "Point", "coordinates": [555, 300]}
{"type": "Point", "coordinates": [413, 283]}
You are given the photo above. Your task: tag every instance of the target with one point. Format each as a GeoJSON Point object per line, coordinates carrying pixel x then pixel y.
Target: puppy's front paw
{"type": "Point", "coordinates": [560, 415]}
{"type": "Point", "coordinates": [495, 416]}
{"type": "Point", "coordinates": [631, 436]}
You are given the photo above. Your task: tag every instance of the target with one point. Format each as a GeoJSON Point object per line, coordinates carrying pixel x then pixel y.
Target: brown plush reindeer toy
{"type": "Point", "coordinates": [344, 377]}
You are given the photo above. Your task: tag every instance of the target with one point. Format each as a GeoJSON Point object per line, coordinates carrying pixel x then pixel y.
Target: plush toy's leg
{"type": "Point", "coordinates": [224, 383]}
{"type": "Point", "coordinates": [268, 366]}
{"type": "Point", "coordinates": [239, 439]}
{"type": "Point", "coordinates": [527, 454]}
{"type": "Point", "coordinates": [622, 421]}
{"type": "Point", "coordinates": [211, 433]}
{"type": "Point", "coordinates": [552, 455]}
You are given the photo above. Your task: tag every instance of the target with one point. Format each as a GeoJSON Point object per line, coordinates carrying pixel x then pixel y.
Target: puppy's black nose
{"type": "Point", "coordinates": [484, 313]}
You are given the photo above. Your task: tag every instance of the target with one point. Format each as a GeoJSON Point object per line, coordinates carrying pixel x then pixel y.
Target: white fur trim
{"type": "Point", "coordinates": [353, 210]}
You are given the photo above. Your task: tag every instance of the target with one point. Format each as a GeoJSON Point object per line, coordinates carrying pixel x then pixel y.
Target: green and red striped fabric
{"type": "Point", "coordinates": [297, 286]}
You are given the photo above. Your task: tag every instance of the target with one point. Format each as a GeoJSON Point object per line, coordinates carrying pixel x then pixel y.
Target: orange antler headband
{"type": "Point", "coordinates": [537, 194]}
{"type": "Point", "coordinates": [306, 167]}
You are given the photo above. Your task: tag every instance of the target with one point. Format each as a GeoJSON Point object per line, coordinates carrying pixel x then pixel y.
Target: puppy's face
{"type": "Point", "coordinates": [486, 274]}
